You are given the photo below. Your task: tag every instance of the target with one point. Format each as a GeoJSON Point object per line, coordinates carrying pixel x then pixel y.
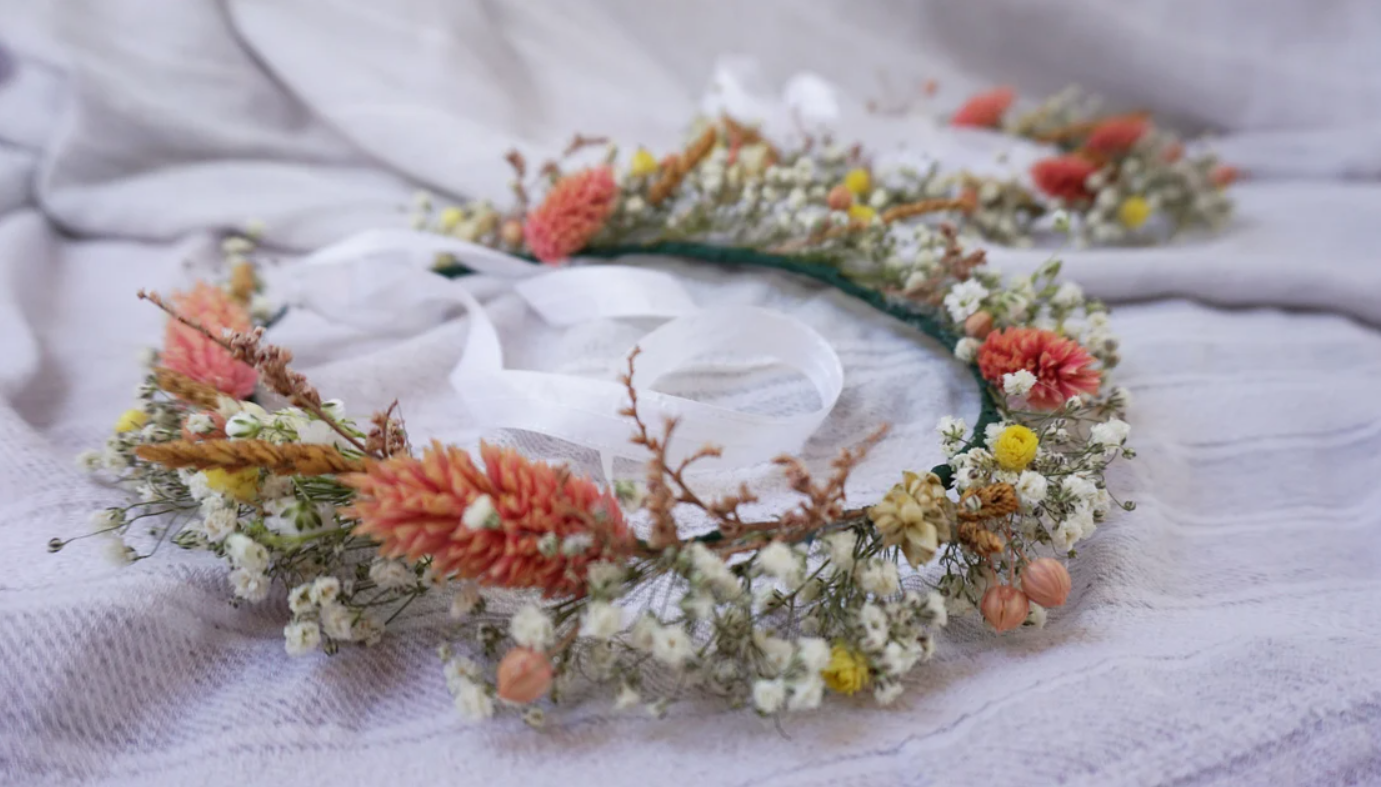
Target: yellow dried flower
{"type": "Point", "coordinates": [847, 671]}
{"type": "Point", "coordinates": [451, 218]}
{"type": "Point", "coordinates": [1015, 447]}
{"type": "Point", "coordinates": [643, 164]}
{"type": "Point", "coordinates": [916, 516]}
{"type": "Point", "coordinates": [131, 420]}
{"type": "Point", "coordinates": [861, 213]}
{"type": "Point", "coordinates": [243, 485]}
{"type": "Point", "coordinates": [1134, 212]}
{"type": "Point", "coordinates": [858, 181]}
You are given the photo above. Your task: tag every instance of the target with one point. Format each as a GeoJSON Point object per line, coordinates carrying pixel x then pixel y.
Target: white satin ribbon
{"type": "Point", "coordinates": [381, 281]}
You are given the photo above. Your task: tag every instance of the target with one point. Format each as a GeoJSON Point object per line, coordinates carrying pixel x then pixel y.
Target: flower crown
{"type": "Point", "coordinates": [355, 523]}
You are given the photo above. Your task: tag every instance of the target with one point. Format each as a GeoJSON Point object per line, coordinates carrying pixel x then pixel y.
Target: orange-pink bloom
{"type": "Point", "coordinates": [524, 676]}
{"type": "Point", "coordinates": [1062, 367]}
{"type": "Point", "coordinates": [574, 210]}
{"type": "Point", "coordinates": [187, 352]}
{"type": "Point", "coordinates": [547, 525]}
{"type": "Point", "coordinates": [1063, 176]}
{"type": "Point", "coordinates": [1224, 175]}
{"type": "Point", "coordinates": [1116, 135]}
{"type": "Point", "coordinates": [985, 110]}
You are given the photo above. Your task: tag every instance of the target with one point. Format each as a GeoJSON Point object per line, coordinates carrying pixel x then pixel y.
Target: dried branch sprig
{"type": "Point", "coordinates": [284, 459]}
{"type": "Point", "coordinates": [677, 167]}
{"type": "Point", "coordinates": [966, 202]}
{"type": "Point", "coordinates": [579, 142]}
{"type": "Point", "coordinates": [182, 387]}
{"type": "Point", "coordinates": [388, 436]}
{"type": "Point", "coordinates": [519, 165]}
{"type": "Point", "coordinates": [824, 503]}
{"type": "Point", "coordinates": [270, 361]}
{"type": "Point", "coordinates": [954, 263]}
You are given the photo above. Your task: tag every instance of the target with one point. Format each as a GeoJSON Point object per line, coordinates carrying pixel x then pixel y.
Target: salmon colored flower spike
{"type": "Point", "coordinates": [986, 109]}
{"type": "Point", "coordinates": [1116, 135]}
{"type": "Point", "coordinates": [1063, 368]}
{"type": "Point", "coordinates": [1063, 176]}
{"type": "Point", "coordinates": [191, 354]}
{"type": "Point", "coordinates": [574, 210]}
{"type": "Point", "coordinates": [514, 523]}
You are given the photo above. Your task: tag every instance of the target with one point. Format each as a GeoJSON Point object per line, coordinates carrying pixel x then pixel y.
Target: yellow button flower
{"type": "Point", "coordinates": [858, 181]}
{"type": "Point", "coordinates": [1134, 212]}
{"type": "Point", "coordinates": [243, 485]}
{"type": "Point", "coordinates": [861, 213]}
{"type": "Point", "coordinates": [643, 164]}
{"type": "Point", "coordinates": [1015, 447]}
{"type": "Point", "coordinates": [450, 218]}
{"type": "Point", "coordinates": [847, 671]}
{"type": "Point", "coordinates": [131, 420]}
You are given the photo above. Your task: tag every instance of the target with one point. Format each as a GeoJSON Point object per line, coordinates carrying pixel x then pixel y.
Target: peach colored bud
{"type": "Point", "coordinates": [1173, 152]}
{"type": "Point", "coordinates": [979, 325]}
{"type": "Point", "coordinates": [512, 232]}
{"type": "Point", "coordinates": [524, 676]}
{"type": "Point", "coordinates": [840, 198]}
{"type": "Point", "coordinates": [1224, 175]}
{"type": "Point", "coordinates": [1046, 582]}
{"type": "Point", "coordinates": [1004, 607]}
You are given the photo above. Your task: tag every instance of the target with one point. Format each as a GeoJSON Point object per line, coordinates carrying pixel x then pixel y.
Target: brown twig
{"type": "Point", "coordinates": [270, 361]}
{"type": "Point", "coordinates": [188, 390]}
{"type": "Point", "coordinates": [966, 203]}
{"type": "Point", "coordinates": [676, 169]}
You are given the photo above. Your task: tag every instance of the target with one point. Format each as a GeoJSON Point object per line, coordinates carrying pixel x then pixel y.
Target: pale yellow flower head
{"type": "Point", "coordinates": [916, 515]}
{"type": "Point", "coordinates": [847, 671]}
{"type": "Point", "coordinates": [130, 420]}
{"type": "Point", "coordinates": [243, 485]}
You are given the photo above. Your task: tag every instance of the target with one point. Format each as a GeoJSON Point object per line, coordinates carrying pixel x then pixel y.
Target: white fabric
{"type": "Point", "coordinates": [1225, 633]}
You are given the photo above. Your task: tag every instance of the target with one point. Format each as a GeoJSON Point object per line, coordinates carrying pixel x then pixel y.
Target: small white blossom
{"type": "Point", "coordinates": [887, 693]}
{"type": "Point", "coordinates": [768, 695]}
{"type": "Point", "coordinates": [776, 652]}
{"type": "Point", "coordinates": [966, 348]}
{"type": "Point", "coordinates": [1031, 487]}
{"type": "Point", "coordinates": [672, 646]}
{"type": "Point", "coordinates": [1018, 383]}
{"type": "Point", "coordinates": [1069, 294]}
{"type": "Point", "coordinates": [700, 606]}
{"type": "Point", "coordinates": [391, 574]}
{"type": "Point", "coordinates": [325, 590]}
{"type": "Point", "coordinates": [531, 628]}
{"type": "Point", "coordinates": [814, 653]}
{"type": "Point", "coordinates": [601, 620]}
{"type": "Point", "coordinates": [604, 577]}
{"type": "Point", "coordinates": [89, 460]}
{"type": "Point", "coordinates": [301, 637]}
{"type": "Point", "coordinates": [898, 659]}
{"type": "Point", "coordinates": [117, 552]}
{"type": "Point", "coordinates": [627, 697]}
{"type": "Point", "coordinates": [782, 562]}
{"type": "Point", "coordinates": [806, 693]}
{"type": "Point", "coordinates": [841, 548]}
{"type": "Point", "coordinates": [1110, 434]}
{"type": "Point", "coordinates": [197, 486]}
{"type": "Point", "coordinates": [1036, 616]}
{"type": "Point", "coordinates": [878, 577]}
{"type": "Point", "coordinates": [713, 571]}
{"type": "Point", "coordinates": [249, 585]}
{"type": "Point", "coordinates": [457, 669]}
{"type": "Point", "coordinates": [300, 599]}
{"type": "Point", "coordinates": [577, 544]}
{"type": "Point", "coordinates": [797, 198]}
{"type": "Point", "coordinates": [275, 487]}
{"type": "Point", "coordinates": [935, 605]}
{"type": "Point", "coordinates": [337, 622]}
{"type": "Point", "coordinates": [644, 632]}
{"type": "Point", "coordinates": [1079, 488]}
{"type": "Point", "coordinates": [481, 514]}
{"type": "Point", "coordinates": [242, 426]}
{"type": "Point", "coordinates": [247, 553]}
{"type": "Point", "coordinates": [964, 299]}
{"type": "Point", "coordinates": [473, 702]}
{"type": "Point", "coordinates": [200, 423]}
{"type": "Point", "coordinates": [219, 524]}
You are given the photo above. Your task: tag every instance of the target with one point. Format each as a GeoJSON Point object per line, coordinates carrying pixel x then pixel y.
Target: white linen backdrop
{"type": "Point", "coordinates": [1224, 633]}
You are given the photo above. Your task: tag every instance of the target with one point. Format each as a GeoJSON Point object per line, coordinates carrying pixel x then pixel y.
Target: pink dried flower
{"type": "Point", "coordinates": [538, 526]}
{"type": "Point", "coordinates": [187, 352]}
{"type": "Point", "coordinates": [1063, 176]}
{"type": "Point", "coordinates": [1004, 607]}
{"type": "Point", "coordinates": [524, 676]}
{"type": "Point", "coordinates": [1063, 368]}
{"type": "Point", "coordinates": [574, 210]}
{"type": "Point", "coordinates": [1046, 582]}
{"type": "Point", "coordinates": [985, 110]}
{"type": "Point", "coordinates": [1116, 135]}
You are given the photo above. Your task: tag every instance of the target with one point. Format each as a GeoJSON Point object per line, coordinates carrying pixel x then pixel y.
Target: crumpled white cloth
{"type": "Point", "coordinates": [1222, 634]}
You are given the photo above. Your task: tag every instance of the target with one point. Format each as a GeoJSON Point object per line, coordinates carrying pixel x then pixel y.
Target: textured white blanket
{"type": "Point", "coordinates": [1224, 633]}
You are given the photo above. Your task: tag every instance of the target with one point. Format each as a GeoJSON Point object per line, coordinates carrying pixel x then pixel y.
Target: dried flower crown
{"type": "Point", "coordinates": [354, 523]}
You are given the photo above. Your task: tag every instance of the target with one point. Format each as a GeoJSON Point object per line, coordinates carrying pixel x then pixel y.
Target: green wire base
{"type": "Point", "coordinates": [825, 273]}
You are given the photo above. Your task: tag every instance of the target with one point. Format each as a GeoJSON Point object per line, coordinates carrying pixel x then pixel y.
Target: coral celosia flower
{"type": "Point", "coordinates": [1063, 176]}
{"type": "Point", "coordinates": [985, 109]}
{"type": "Point", "coordinates": [1063, 368]}
{"type": "Point", "coordinates": [573, 211]}
{"type": "Point", "coordinates": [540, 526]}
{"type": "Point", "coordinates": [188, 352]}
{"type": "Point", "coordinates": [1117, 135]}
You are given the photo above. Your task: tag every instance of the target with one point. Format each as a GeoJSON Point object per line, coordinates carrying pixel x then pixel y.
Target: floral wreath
{"type": "Point", "coordinates": [354, 523]}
